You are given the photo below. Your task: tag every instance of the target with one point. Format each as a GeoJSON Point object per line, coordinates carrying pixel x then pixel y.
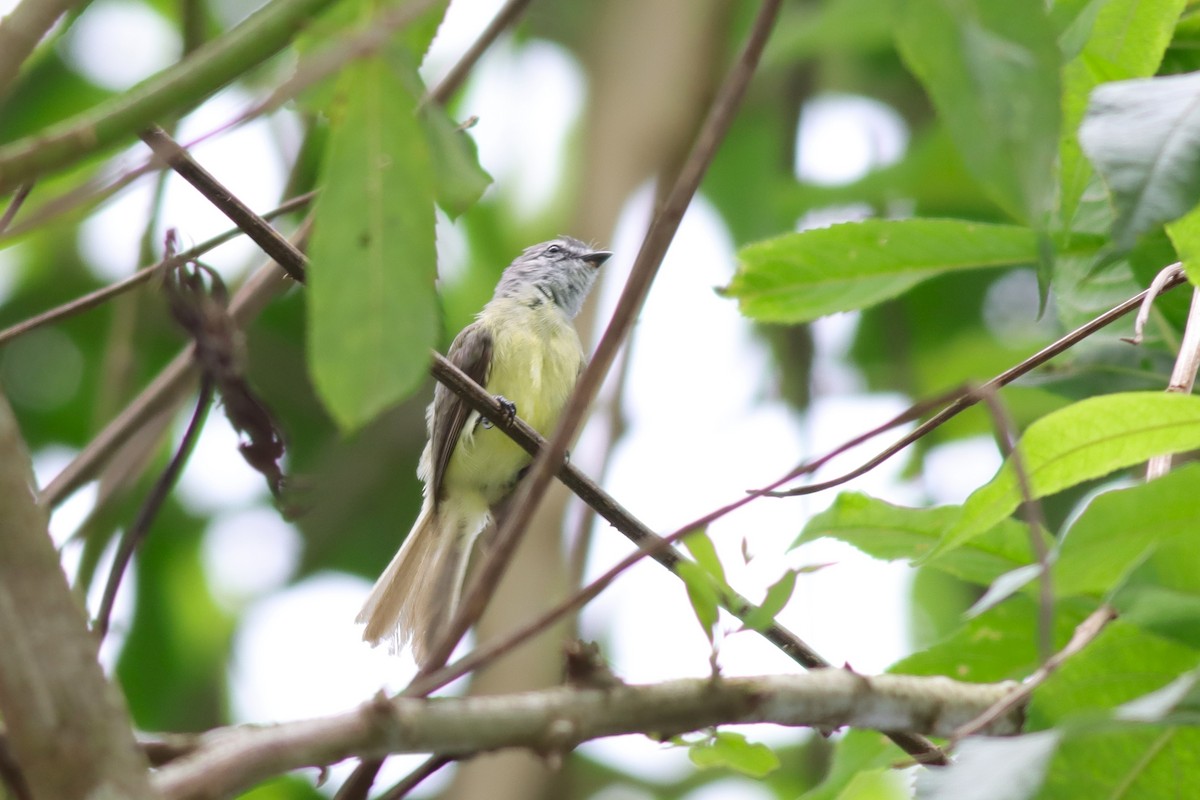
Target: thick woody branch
{"type": "Point", "coordinates": [556, 720]}
{"type": "Point", "coordinates": [67, 726]}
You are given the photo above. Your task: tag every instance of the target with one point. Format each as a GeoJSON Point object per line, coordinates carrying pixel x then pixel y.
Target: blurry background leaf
{"type": "Point", "coordinates": [992, 72]}
{"type": "Point", "coordinates": [1143, 136]}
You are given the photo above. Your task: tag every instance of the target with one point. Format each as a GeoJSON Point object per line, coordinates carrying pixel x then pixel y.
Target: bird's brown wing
{"type": "Point", "coordinates": [471, 352]}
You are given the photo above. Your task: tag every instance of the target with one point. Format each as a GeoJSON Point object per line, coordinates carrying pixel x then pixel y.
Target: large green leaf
{"type": "Point", "coordinates": [373, 309]}
{"type": "Point", "coordinates": [1143, 136]}
{"type": "Point", "coordinates": [1125, 39]}
{"type": "Point", "coordinates": [999, 644]}
{"type": "Point", "coordinates": [1085, 440]}
{"type": "Point", "coordinates": [891, 532]}
{"type": "Point", "coordinates": [1122, 663]}
{"type": "Point", "coordinates": [801, 276]}
{"type": "Point", "coordinates": [1161, 594]}
{"type": "Point", "coordinates": [1118, 528]}
{"type": "Point", "coordinates": [992, 71]}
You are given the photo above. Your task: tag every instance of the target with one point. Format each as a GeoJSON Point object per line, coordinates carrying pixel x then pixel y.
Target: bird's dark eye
{"type": "Point", "coordinates": [553, 250]}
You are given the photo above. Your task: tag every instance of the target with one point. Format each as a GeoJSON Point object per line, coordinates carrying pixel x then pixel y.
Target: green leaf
{"type": "Point", "coordinates": [460, 179]}
{"type": "Point", "coordinates": [1125, 39]}
{"type": "Point", "coordinates": [801, 276]}
{"type": "Point", "coordinates": [701, 548]}
{"type": "Point", "coordinates": [1085, 440]}
{"type": "Point", "coordinates": [999, 644]}
{"type": "Point", "coordinates": [857, 752]}
{"type": "Point", "coordinates": [1166, 612]}
{"type": "Point", "coordinates": [1122, 663]}
{"type": "Point", "coordinates": [731, 750]}
{"type": "Point", "coordinates": [1185, 236]}
{"type": "Point", "coordinates": [1126, 761]}
{"type": "Point", "coordinates": [1161, 593]}
{"type": "Point", "coordinates": [882, 783]}
{"type": "Point", "coordinates": [777, 597]}
{"type": "Point", "coordinates": [703, 594]}
{"type": "Point", "coordinates": [372, 304]}
{"type": "Point", "coordinates": [889, 532]}
{"type": "Point", "coordinates": [1119, 528]}
{"type": "Point", "coordinates": [1143, 137]}
{"type": "Point", "coordinates": [992, 71]}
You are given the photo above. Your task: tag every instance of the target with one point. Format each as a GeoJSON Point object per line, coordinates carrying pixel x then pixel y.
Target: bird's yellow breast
{"type": "Point", "coordinates": [536, 359]}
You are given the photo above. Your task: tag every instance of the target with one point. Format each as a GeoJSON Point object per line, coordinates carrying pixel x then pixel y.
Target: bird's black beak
{"type": "Point", "coordinates": [597, 257]}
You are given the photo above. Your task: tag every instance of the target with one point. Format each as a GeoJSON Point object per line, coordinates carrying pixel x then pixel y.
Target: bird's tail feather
{"type": "Point", "coordinates": [416, 596]}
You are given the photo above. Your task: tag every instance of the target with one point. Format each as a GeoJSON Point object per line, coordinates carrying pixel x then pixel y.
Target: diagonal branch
{"type": "Point", "coordinates": [67, 726]}
{"type": "Point", "coordinates": [106, 293]}
{"type": "Point", "coordinates": [645, 268]}
{"type": "Point", "coordinates": [181, 86]}
{"type": "Point", "coordinates": [554, 721]}
{"type": "Point", "coordinates": [968, 398]}
{"type": "Point", "coordinates": [21, 31]}
{"type": "Point", "coordinates": [167, 390]}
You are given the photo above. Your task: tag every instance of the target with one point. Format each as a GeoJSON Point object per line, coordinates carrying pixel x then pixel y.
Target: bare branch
{"type": "Point", "coordinates": [267, 238]}
{"type": "Point", "coordinates": [1031, 509]}
{"type": "Point", "coordinates": [648, 542]}
{"type": "Point", "coordinates": [457, 75]}
{"type": "Point", "coordinates": [969, 398]}
{"type": "Point", "coordinates": [93, 299]}
{"type": "Point", "coordinates": [137, 532]}
{"type": "Point", "coordinates": [415, 778]}
{"type": "Point", "coordinates": [14, 205]}
{"type": "Point", "coordinates": [21, 31]}
{"type": "Point", "coordinates": [645, 267]}
{"type": "Point", "coordinates": [556, 720]}
{"type": "Point", "coordinates": [167, 389]}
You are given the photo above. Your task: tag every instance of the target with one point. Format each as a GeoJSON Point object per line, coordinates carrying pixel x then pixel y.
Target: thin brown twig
{"type": "Point", "coordinates": [966, 399]}
{"type": "Point", "coordinates": [416, 777]}
{"type": "Point", "coordinates": [140, 528]}
{"type": "Point", "coordinates": [581, 541]}
{"type": "Point", "coordinates": [92, 190]}
{"type": "Point", "coordinates": [1031, 509]}
{"type": "Point", "coordinates": [359, 784]}
{"type": "Point", "coordinates": [104, 294]}
{"type": "Point", "coordinates": [14, 205]}
{"type": "Point", "coordinates": [1087, 630]}
{"type": "Point", "coordinates": [648, 542]}
{"type": "Point", "coordinates": [457, 75]}
{"type": "Point", "coordinates": [645, 268]}
{"type": "Point", "coordinates": [269, 240]}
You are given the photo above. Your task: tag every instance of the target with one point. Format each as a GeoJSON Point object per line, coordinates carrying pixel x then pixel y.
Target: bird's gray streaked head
{"type": "Point", "coordinates": [561, 270]}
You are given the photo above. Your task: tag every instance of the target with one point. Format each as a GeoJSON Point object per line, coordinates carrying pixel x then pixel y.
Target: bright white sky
{"type": "Point", "coordinates": [693, 442]}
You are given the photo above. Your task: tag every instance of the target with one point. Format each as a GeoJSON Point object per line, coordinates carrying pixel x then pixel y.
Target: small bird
{"type": "Point", "coordinates": [522, 348]}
